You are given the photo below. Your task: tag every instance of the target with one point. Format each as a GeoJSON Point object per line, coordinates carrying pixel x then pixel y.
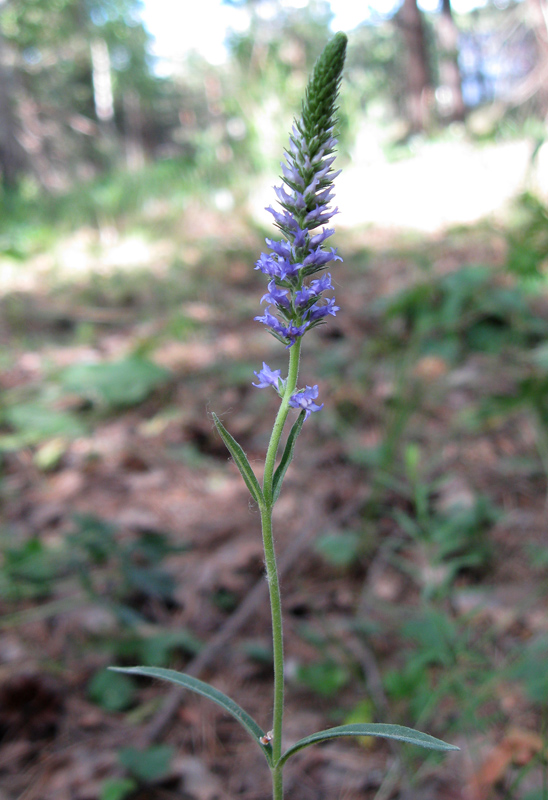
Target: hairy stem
{"type": "Point", "coordinates": [277, 635]}
{"type": "Point", "coordinates": [277, 430]}
{"type": "Point", "coordinates": [272, 572]}
{"type": "Point", "coordinates": [277, 783]}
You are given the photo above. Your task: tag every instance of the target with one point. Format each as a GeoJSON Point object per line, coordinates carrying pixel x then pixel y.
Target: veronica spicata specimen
{"type": "Point", "coordinates": [298, 299]}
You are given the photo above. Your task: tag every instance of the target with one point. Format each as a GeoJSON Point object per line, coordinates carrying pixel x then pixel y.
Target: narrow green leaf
{"type": "Point", "coordinates": [204, 689]}
{"type": "Point", "coordinates": [398, 732]}
{"type": "Point", "coordinates": [287, 457]}
{"type": "Point", "coordinates": [241, 461]}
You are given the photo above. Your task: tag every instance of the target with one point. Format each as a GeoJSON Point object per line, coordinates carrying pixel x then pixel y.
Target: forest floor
{"type": "Point", "coordinates": [411, 530]}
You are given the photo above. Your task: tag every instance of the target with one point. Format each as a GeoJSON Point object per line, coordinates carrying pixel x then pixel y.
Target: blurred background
{"type": "Point", "coordinates": [139, 142]}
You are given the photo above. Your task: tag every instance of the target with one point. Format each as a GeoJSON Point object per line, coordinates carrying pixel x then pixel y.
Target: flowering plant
{"type": "Point", "coordinates": [299, 306]}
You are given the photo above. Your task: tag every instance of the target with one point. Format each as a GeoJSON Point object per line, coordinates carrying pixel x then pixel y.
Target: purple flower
{"type": "Point", "coordinates": [293, 332]}
{"type": "Point", "coordinates": [276, 295]}
{"type": "Point", "coordinates": [282, 248]}
{"type": "Point", "coordinates": [307, 293]}
{"type": "Point", "coordinates": [302, 296]}
{"type": "Point", "coordinates": [317, 312]}
{"type": "Point", "coordinates": [282, 195]}
{"type": "Point", "coordinates": [291, 173]}
{"type": "Point", "coordinates": [319, 238]}
{"type": "Point", "coordinates": [318, 216]}
{"type": "Point", "coordinates": [288, 332]}
{"type": "Point", "coordinates": [305, 399]}
{"type": "Point", "coordinates": [299, 239]}
{"type": "Point", "coordinates": [266, 264]}
{"type": "Point", "coordinates": [277, 267]}
{"type": "Point", "coordinates": [267, 377]}
{"type": "Point", "coordinates": [322, 284]}
{"type": "Point", "coordinates": [319, 258]}
{"type": "Point", "coordinates": [272, 322]}
{"type": "Point", "coordinates": [284, 219]}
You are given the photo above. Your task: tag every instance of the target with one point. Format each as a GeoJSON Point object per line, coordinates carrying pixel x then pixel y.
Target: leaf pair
{"type": "Point", "coordinates": [241, 460]}
{"type": "Point", "coordinates": [397, 732]}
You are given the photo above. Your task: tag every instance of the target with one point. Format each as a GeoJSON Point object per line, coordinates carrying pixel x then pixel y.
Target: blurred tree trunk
{"type": "Point", "coordinates": [133, 131]}
{"type": "Point", "coordinates": [418, 81]}
{"type": "Point", "coordinates": [536, 82]}
{"type": "Point", "coordinates": [451, 101]}
{"type": "Point", "coordinates": [12, 158]}
{"type": "Point", "coordinates": [102, 82]}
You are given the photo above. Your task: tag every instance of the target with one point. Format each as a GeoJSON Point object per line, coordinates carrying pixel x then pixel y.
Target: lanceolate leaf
{"type": "Point", "coordinates": [398, 732]}
{"type": "Point", "coordinates": [287, 457]}
{"type": "Point", "coordinates": [199, 687]}
{"type": "Point", "coordinates": [241, 461]}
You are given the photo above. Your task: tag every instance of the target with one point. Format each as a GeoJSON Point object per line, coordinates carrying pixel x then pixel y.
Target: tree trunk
{"type": "Point", "coordinates": [451, 102]}
{"type": "Point", "coordinates": [12, 159]}
{"type": "Point", "coordinates": [537, 12]}
{"type": "Point", "coordinates": [418, 82]}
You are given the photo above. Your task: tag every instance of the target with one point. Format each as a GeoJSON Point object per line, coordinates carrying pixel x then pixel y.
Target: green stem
{"type": "Point", "coordinates": [277, 430]}
{"type": "Point", "coordinates": [272, 572]}
{"type": "Point", "coordinates": [277, 784]}
{"type": "Point", "coordinates": [277, 634]}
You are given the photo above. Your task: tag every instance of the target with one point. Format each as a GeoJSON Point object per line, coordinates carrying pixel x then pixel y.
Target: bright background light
{"type": "Point", "coordinates": [179, 26]}
{"type": "Point", "coordinates": [177, 31]}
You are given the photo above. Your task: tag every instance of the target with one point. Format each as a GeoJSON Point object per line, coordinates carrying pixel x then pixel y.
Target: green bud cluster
{"type": "Point", "coordinates": [322, 89]}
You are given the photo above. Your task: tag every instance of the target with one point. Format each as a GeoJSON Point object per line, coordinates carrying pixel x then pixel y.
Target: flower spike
{"type": "Point", "coordinates": [296, 303]}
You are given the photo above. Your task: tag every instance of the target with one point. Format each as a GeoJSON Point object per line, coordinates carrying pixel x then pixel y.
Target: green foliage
{"type": "Point", "coordinates": [445, 667]}
{"type": "Point", "coordinates": [325, 678]}
{"type": "Point", "coordinates": [465, 311]}
{"type": "Point", "coordinates": [35, 421]}
{"type": "Point", "coordinates": [528, 240]}
{"type": "Point", "coordinates": [112, 691]}
{"type": "Point", "coordinates": [457, 537]}
{"type": "Point", "coordinates": [115, 384]}
{"type": "Point", "coordinates": [138, 562]}
{"type": "Point", "coordinates": [94, 537]}
{"type": "Point", "coordinates": [436, 645]}
{"type": "Point", "coordinates": [158, 650]}
{"type": "Point", "coordinates": [530, 669]}
{"type": "Point", "coordinates": [529, 394]}
{"type": "Point", "coordinates": [452, 538]}
{"type": "Point", "coordinates": [339, 549]}
{"type": "Point", "coordinates": [117, 789]}
{"type": "Point", "coordinates": [363, 713]}
{"type": "Point", "coordinates": [538, 557]}
{"type": "Point", "coordinates": [28, 570]}
{"type": "Point", "coordinates": [36, 415]}
{"type": "Point", "coordinates": [119, 574]}
{"type": "Point", "coordinates": [435, 635]}
{"type": "Point", "coordinates": [153, 647]}
{"type": "Point", "coordinates": [258, 651]}
{"type": "Point", "coordinates": [149, 765]}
